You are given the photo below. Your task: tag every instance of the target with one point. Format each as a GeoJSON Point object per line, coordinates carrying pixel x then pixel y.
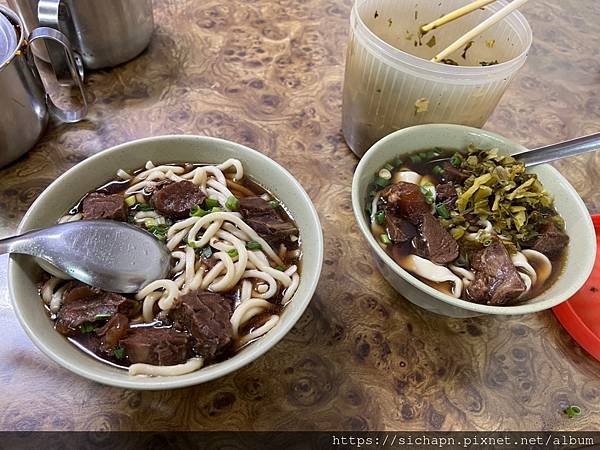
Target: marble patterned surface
{"type": "Point", "coordinates": [269, 74]}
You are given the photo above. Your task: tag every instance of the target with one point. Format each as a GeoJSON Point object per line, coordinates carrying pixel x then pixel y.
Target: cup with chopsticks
{"type": "Point", "coordinates": [432, 62]}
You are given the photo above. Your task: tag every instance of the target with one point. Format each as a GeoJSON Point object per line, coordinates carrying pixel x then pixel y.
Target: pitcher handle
{"type": "Point", "coordinates": [49, 15]}
{"type": "Point", "coordinates": [56, 36]}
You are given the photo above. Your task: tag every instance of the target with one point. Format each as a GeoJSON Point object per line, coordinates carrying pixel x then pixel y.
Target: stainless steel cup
{"type": "Point", "coordinates": [104, 33]}
{"type": "Point", "coordinates": [25, 107]}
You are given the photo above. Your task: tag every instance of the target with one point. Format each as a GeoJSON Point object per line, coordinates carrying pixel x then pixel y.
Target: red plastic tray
{"type": "Point", "coordinates": [580, 315]}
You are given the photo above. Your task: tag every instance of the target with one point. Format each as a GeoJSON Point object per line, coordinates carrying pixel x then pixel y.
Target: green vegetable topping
{"type": "Point", "coordinates": [280, 268]}
{"type": "Point", "coordinates": [380, 217]}
{"type": "Point", "coordinates": [572, 411]}
{"type": "Point", "coordinates": [438, 170]}
{"type": "Point", "coordinates": [253, 245]}
{"type": "Point", "coordinates": [143, 207]}
{"type": "Point", "coordinates": [233, 252]}
{"type": "Point", "coordinates": [196, 211]}
{"type": "Point", "coordinates": [86, 328]}
{"type": "Point", "coordinates": [232, 203]}
{"type": "Point", "coordinates": [442, 211]}
{"type": "Point", "coordinates": [385, 239]}
{"type": "Point", "coordinates": [159, 231]}
{"type": "Point", "coordinates": [381, 182]}
{"type": "Point", "coordinates": [274, 204]}
{"type": "Point", "coordinates": [119, 352]}
{"type": "Point", "coordinates": [389, 167]}
{"type": "Point", "coordinates": [415, 159]}
{"type": "Point", "coordinates": [211, 203]}
{"type": "Point", "coordinates": [102, 316]}
{"type": "Point", "coordinates": [398, 163]}
{"type": "Point", "coordinates": [216, 209]}
{"type": "Point", "coordinates": [456, 160]}
{"type": "Point", "coordinates": [428, 192]}
{"type": "Point", "coordinates": [130, 201]}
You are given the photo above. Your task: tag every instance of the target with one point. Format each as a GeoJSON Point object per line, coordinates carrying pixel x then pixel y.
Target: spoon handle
{"type": "Point", "coordinates": [560, 150]}
{"type": "Point", "coordinates": [18, 244]}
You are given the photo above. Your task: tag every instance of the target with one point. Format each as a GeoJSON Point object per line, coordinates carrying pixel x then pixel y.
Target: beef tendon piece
{"type": "Point", "coordinates": [398, 229]}
{"type": "Point", "coordinates": [156, 346]}
{"type": "Point", "coordinates": [204, 315]}
{"type": "Point", "coordinates": [175, 200]}
{"type": "Point", "coordinates": [83, 305]}
{"type": "Point", "coordinates": [406, 200]}
{"type": "Point", "coordinates": [104, 206]}
{"type": "Point", "coordinates": [265, 220]}
{"type": "Point", "coordinates": [497, 281]}
{"type": "Point", "coordinates": [453, 174]}
{"type": "Point", "coordinates": [434, 242]}
{"type": "Point", "coordinates": [112, 332]}
{"type": "Point", "coordinates": [551, 241]}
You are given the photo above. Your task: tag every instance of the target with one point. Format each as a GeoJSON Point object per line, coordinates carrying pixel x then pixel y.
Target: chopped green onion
{"type": "Point", "coordinates": [274, 204]}
{"type": "Point", "coordinates": [159, 231]}
{"type": "Point", "coordinates": [119, 352]}
{"type": "Point", "coordinates": [380, 217]}
{"type": "Point", "coordinates": [280, 268]}
{"type": "Point", "coordinates": [216, 209]}
{"type": "Point", "coordinates": [428, 192]}
{"type": "Point", "coordinates": [232, 203]}
{"type": "Point", "coordinates": [442, 211]}
{"type": "Point", "coordinates": [389, 167]}
{"type": "Point", "coordinates": [385, 239]}
{"type": "Point", "coordinates": [253, 245]}
{"type": "Point", "coordinates": [233, 252]}
{"type": "Point", "coordinates": [196, 211]}
{"type": "Point", "coordinates": [381, 182]}
{"type": "Point", "coordinates": [161, 221]}
{"type": "Point", "coordinates": [211, 203]}
{"type": "Point", "coordinates": [192, 244]}
{"type": "Point", "coordinates": [398, 162]}
{"type": "Point", "coordinates": [130, 201]}
{"type": "Point", "coordinates": [385, 174]}
{"type": "Point", "coordinates": [86, 328]}
{"type": "Point", "coordinates": [415, 159]}
{"type": "Point", "coordinates": [143, 207]}
{"type": "Point", "coordinates": [150, 223]}
{"type": "Point", "coordinates": [207, 252]}
{"type": "Point", "coordinates": [368, 210]}
{"type": "Point", "coordinates": [572, 411]}
{"type": "Point", "coordinates": [438, 170]}
{"type": "Point", "coordinates": [102, 316]}
{"type": "Point", "coordinates": [456, 160]}
{"type": "Point", "coordinates": [487, 242]}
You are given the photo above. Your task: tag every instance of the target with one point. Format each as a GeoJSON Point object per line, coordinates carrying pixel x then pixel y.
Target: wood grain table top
{"type": "Point", "coordinates": [269, 74]}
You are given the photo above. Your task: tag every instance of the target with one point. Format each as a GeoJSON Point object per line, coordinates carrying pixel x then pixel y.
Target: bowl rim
{"type": "Point", "coordinates": [408, 277]}
{"type": "Point", "coordinates": [225, 367]}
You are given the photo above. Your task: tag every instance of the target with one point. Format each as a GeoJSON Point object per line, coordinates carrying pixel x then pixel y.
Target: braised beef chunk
{"type": "Point", "coordinates": [434, 242]}
{"type": "Point", "coordinates": [205, 316]}
{"type": "Point", "coordinates": [446, 194]}
{"type": "Point", "coordinates": [551, 241]}
{"type": "Point", "coordinates": [453, 174]}
{"type": "Point", "coordinates": [406, 200]}
{"type": "Point", "coordinates": [264, 219]}
{"type": "Point", "coordinates": [175, 200]}
{"type": "Point", "coordinates": [104, 206]}
{"type": "Point", "coordinates": [156, 346]}
{"type": "Point", "coordinates": [496, 279]}
{"type": "Point", "coordinates": [398, 229]}
{"type": "Point", "coordinates": [112, 332]}
{"type": "Point", "coordinates": [79, 309]}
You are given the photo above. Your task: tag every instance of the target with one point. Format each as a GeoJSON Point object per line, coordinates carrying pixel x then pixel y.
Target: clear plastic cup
{"type": "Point", "coordinates": [390, 82]}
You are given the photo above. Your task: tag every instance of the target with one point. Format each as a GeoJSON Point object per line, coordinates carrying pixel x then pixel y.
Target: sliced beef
{"type": "Point", "coordinates": [434, 242]}
{"type": "Point", "coordinates": [453, 174]}
{"type": "Point", "coordinates": [112, 332]}
{"type": "Point", "coordinates": [496, 279]}
{"type": "Point", "coordinates": [81, 307]}
{"type": "Point", "coordinates": [104, 206]}
{"type": "Point", "coordinates": [205, 316]}
{"type": "Point", "coordinates": [156, 346]}
{"type": "Point", "coordinates": [406, 200]}
{"type": "Point", "coordinates": [175, 200]}
{"type": "Point", "coordinates": [265, 220]}
{"type": "Point", "coordinates": [399, 229]}
{"type": "Point", "coordinates": [446, 194]}
{"type": "Point", "coordinates": [551, 241]}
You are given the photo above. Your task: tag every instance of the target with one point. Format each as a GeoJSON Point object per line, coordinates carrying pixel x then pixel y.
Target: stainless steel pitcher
{"type": "Point", "coordinates": [104, 33]}
{"type": "Point", "coordinates": [25, 107]}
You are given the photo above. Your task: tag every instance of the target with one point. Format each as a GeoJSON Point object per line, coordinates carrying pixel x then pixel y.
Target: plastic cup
{"type": "Point", "coordinates": [390, 82]}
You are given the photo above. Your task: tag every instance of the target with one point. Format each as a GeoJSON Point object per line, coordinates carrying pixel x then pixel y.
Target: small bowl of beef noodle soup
{"type": "Point", "coordinates": [461, 228]}
{"type": "Point", "coordinates": [246, 249]}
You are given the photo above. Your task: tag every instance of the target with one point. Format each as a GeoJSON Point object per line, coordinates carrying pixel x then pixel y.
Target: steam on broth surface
{"type": "Point", "coordinates": [473, 224]}
{"type": "Point", "coordinates": [236, 259]}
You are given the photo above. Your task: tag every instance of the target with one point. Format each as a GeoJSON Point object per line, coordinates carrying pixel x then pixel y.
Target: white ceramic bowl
{"type": "Point", "coordinates": [582, 245]}
{"type": "Point", "coordinates": [24, 274]}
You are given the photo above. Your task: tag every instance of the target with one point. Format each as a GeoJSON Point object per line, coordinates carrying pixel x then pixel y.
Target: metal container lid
{"type": "Point", "coordinates": [8, 38]}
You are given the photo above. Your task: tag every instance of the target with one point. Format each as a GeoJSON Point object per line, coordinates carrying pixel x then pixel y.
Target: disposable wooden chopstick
{"type": "Point", "coordinates": [496, 17]}
{"type": "Point", "coordinates": [455, 14]}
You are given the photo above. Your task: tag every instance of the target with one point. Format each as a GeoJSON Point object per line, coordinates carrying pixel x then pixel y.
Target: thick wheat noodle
{"type": "Point", "coordinates": [180, 261]}
{"type": "Point", "coordinates": [291, 290]}
{"type": "Point", "coordinates": [166, 301]}
{"type": "Point", "coordinates": [246, 291]}
{"type": "Point", "coordinates": [280, 276]}
{"type": "Point", "coordinates": [190, 262]}
{"type": "Point", "coordinates": [235, 231]}
{"type": "Point", "coordinates": [180, 281]}
{"type": "Point", "coordinates": [199, 175]}
{"type": "Point", "coordinates": [123, 175]}
{"type": "Point", "coordinates": [260, 331]}
{"type": "Point", "coordinates": [191, 365]}
{"type": "Point", "coordinates": [236, 164]}
{"type": "Point", "coordinates": [240, 312]}
{"type": "Point", "coordinates": [143, 215]}
{"type": "Point", "coordinates": [214, 194]}
{"type": "Point", "coordinates": [176, 239]}
{"type": "Point", "coordinates": [263, 276]}
{"type": "Point", "coordinates": [150, 170]}
{"type": "Point", "coordinates": [229, 279]}
{"type": "Point", "coordinates": [148, 306]}
{"type": "Point", "coordinates": [57, 298]}
{"type": "Point", "coordinates": [149, 181]}
{"type": "Point", "coordinates": [240, 246]}
{"type": "Point", "coordinates": [221, 188]}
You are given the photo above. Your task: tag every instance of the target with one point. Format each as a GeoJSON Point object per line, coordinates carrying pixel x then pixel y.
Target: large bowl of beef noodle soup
{"type": "Point", "coordinates": [461, 228]}
{"type": "Point", "coordinates": [246, 249]}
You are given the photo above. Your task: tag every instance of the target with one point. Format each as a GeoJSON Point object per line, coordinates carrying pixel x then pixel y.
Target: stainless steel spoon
{"type": "Point", "coordinates": [559, 150]}
{"type": "Point", "coordinates": [112, 256]}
